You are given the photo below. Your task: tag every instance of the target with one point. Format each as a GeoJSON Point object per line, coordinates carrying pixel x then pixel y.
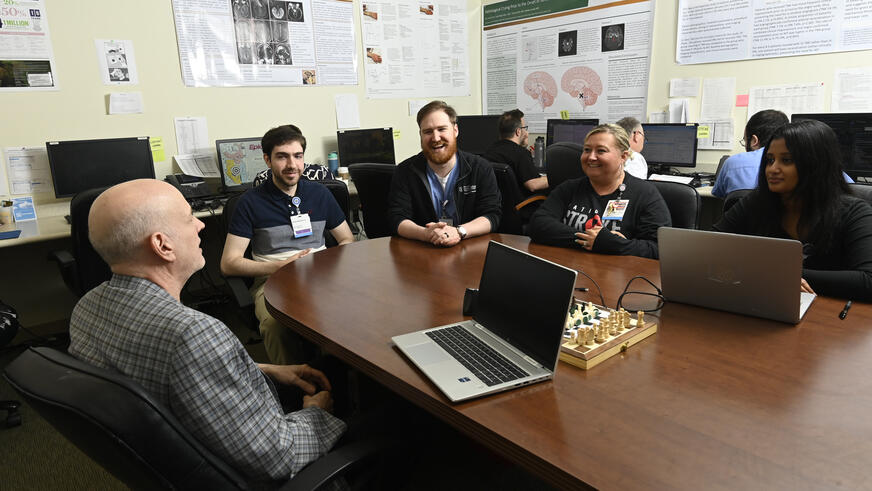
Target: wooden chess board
{"type": "Point", "coordinates": [594, 333]}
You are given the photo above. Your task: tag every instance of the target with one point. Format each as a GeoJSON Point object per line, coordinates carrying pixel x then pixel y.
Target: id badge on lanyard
{"type": "Point", "coordinates": [445, 219]}
{"type": "Point", "coordinates": [616, 208]}
{"type": "Point", "coordinates": [300, 223]}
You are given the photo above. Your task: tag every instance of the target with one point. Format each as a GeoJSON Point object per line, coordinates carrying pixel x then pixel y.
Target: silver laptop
{"type": "Point", "coordinates": [514, 337]}
{"type": "Point", "coordinates": [750, 275]}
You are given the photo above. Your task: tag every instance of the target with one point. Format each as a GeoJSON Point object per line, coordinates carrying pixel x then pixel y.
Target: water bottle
{"type": "Point", "coordinates": [539, 154]}
{"type": "Point", "coordinates": [333, 163]}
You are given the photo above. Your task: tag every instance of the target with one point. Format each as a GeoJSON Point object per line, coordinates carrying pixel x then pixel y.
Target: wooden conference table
{"type": "Point", "coordinates": [712, 401]}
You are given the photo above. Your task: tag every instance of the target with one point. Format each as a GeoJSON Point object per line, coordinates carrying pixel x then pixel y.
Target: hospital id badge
{"type": "Point", "coordinates": [447, 221]}
{"type": "Point", "coordinates": [615, 209]}
{"type": "Point", "coordinates": [302, 225]}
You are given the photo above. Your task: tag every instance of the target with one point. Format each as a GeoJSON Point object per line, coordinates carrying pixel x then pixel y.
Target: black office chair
{"type": "Point", "coordinates": [862, 191]}
{"type": "Point", "coordinates": [516, 209]}
{"type": "Point", "coordinates": [136, 438]}
{"type": "Point", "coordinates": [683, 202]}
{"type": "Point", "coordinates": [8, 329]}
{"type": "Point", "coordinates": [81, 268]}
{"type": "Point", "coordinates": [563, 162]}
{"type": "Point", "coordinates": [721, 164]}
{"type": "Point", "coordinates": [239, 285]}
{"type": "Point", "coordinates": [339, 190]}
{"type": "Point", "coordinates": [373, 182]}
{"type": "Point", "coordinates": [733, 197]}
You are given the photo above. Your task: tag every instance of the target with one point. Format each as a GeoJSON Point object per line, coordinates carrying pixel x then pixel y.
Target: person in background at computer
{"type": "Point", "coordinates": [608, 211]}
{"type": "Point", "coordinates": [740, 171]}
{"type": "Point", "coordinates": [636, 164]}
{"type": "Point", "coordinates": [512, 150]}
{"type": "Point", "coordinates": [802, 195]}
{"type": "Point", "coordinates": [283, 219]}
{"type": "Point", "coordinates": [443, 195]}
{"type": "Point", "coordinates": [191, 362]}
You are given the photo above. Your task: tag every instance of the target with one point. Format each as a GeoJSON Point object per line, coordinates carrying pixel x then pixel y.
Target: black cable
{"type": "Point", "coordinates": [598, 289]}
{"type": "Point", "coordinates": [659, 294]}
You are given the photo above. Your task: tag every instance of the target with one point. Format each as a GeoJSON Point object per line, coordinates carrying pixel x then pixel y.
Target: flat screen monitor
{"type": "Point", "coordinates": [374, 145]}
{"type": "Point", "coordinates": [568, 130]}
{"type": "Point", "coordinates": [854, 131]}
{"type": "Point", "coordinates": [240, 160]}
{"type": "Point", "coordinates": [477, 133]}
{"type": "Point", "coordinates": [78, 165]}
{"type": "Point", "coordinates": [670, 144]}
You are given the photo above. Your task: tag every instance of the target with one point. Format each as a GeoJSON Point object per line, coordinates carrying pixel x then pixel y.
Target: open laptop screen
{"type": "Point", "coordinates": [524, 300]}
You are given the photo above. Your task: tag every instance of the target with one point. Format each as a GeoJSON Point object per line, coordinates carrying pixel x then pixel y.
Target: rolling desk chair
{"type": "Point", "coordinates": [513, 219]}
{"type": "Point", "coordinates": [683, 202]}
{"type": "Point", "coordinates": [136, 438]}
{"type": "Point", "coordinates": [82, 268]}
{"type": "Point", "coordinates": [373, 182]}
{"type": "Point", "coordinates": [563, 162]}
{"type": "Point", "coordinates": [8, 328]}
{"type": "Point", "coordinates": [862, 191]}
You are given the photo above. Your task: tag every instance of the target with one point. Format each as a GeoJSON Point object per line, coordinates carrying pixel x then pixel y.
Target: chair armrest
{"type": "Point", "coordinates": [530, 200]}
{"type": "Point", "coordinates": [336, 462]}
{"type": "Point", "coordinates": [239, 290]}
{"type": "Point", "coordinates": [67, 266]}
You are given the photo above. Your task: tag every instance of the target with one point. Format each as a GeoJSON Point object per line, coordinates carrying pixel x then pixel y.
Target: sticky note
{"type": "Point", "coordinates": [702, 132]}
{"type": "Point", "coordinates": [396, 134]}
{"type": "Point", "coordinates": [742, 100]}
{"type": "Point", "coordinates": [157, 149]}
{"type": "Point", "coordinates": [564, 114]}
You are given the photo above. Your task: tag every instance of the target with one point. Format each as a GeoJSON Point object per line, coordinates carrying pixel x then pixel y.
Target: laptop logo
{"type": "Point", "coordinates": [463, 379]}
{"type": "Point", "coordinates": [723, 275]}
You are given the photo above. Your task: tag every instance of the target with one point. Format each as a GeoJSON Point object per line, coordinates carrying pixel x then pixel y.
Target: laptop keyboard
{"type": "Point", "coordinates": [489, 366]}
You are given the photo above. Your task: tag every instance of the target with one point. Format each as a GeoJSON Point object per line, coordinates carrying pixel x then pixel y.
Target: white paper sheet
{"type": "Point", "coordinates": [718, 98]}
{"type": "Point", "coordinates": [684, 87]}
{"type": "Point", "coordinates": [852, 90]}
{"type": "Point", "coordinates": [4, 181]}
{"type": "Point", "coordinates": [720, 135]}
{"type": "Point", "coordinates": [678, 110]}
{"type": "Point", "coordinates": [28, 170]}
{"type": "Point", "coordinates": [347, 111]}
{"type": "Point", "coordinates": [192, 136]}
{"type": "Point", "coordinates": [202, 165]}
{"type": "Point", "coordinates": [125, 103]}
{"type": "Point", "coordinates": [117, 62]}
{"type": "Point", "coordinates": [788, 98]}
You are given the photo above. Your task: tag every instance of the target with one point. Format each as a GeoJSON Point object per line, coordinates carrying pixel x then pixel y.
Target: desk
{"type": "Point", "coordinates": [712, 401]}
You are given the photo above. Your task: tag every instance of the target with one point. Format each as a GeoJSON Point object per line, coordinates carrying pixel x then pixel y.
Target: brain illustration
{"type": "Point", "coordinates": [582, 83]}
{"type": "Point", "coordinates": [541, 87]}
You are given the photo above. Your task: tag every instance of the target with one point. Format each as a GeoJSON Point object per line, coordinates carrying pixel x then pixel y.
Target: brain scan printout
{"type": "Point", "coordinates": [542, 87]}
{"type": "Point", "coordinates": [583, 84]}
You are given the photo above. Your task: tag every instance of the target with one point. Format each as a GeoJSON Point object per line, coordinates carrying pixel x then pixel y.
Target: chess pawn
{"type": "Point", "coordinates": [601, 333]}
{"type": "Point", "coordinates": [588, 336]}
{"type": "Point", "coordinates": [621, 322]}
{"type": "Point", "coordinates": [640, 319]}
{"type": "Point", "coordinates": [613, 325]}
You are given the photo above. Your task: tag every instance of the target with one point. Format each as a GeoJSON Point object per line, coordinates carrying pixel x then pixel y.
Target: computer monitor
{"type": "Point", "coordinates": [477, 133]}
{"type": "Point", "coordinates": [670, 145]}
{"type": "Point", "coordinates": [854, 131]}
{"type": "Point", "coordinates": [78, 165]}
{"type": "Point", "coordinates": [240, 159]}
{"type": "Point", "coordinates": [373, 145]}
{"type": "Point", "coordinates": [568, 130]}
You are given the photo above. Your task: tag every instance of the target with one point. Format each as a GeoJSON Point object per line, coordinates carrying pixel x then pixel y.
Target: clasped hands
{"type": "Point", "coordinates": [441, 234]}
{"type": "Point", "coordinates": [310, 380]}
{"type": "Point", "coordinates": [586, 239]}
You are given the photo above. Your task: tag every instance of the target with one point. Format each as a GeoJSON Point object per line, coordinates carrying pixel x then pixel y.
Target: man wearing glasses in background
{"type": "Point", "coordinates": [512, 150]}
{"type": "Point", "coordinates": [636, 165]}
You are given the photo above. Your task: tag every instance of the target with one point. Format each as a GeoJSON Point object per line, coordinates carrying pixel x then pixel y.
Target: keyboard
{"type": "Point", "coordinates": [489, 366]}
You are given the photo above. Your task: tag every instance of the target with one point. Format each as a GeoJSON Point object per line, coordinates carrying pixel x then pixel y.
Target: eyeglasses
{"type": "Point", "coordinates": [742, 142]}
{"type": "Point", "coordinates": [644, 138]}
{"type": "Point", "coordinates": [523, 127]}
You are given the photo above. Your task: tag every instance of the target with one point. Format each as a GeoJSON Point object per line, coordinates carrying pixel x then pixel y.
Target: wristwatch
{"type": "Point", "coordinates": [461, 231]}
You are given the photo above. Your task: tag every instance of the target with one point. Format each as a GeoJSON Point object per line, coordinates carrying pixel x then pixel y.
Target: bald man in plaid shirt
{"type": "Point", "coordinates": [135, 324]}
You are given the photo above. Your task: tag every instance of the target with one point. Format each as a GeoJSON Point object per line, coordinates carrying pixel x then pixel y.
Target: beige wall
{"type": "Point", "coordinates": [78, 109]}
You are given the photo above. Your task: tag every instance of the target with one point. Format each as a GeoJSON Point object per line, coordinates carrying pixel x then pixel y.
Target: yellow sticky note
{"type": "Point", "coordinates": [702, 132]}
{"type": "Point", "coordinates": [157, 149]}
{"type": "Point", "coordinates": [396, 134]}
{"type": "Point", "coordinates": [564, 114]}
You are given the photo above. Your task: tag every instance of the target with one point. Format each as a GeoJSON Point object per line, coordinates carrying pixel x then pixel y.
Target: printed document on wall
{"type": "Point", "coordinates": [789, 98]}
{"type": "Point", "coordinates": [724, 30]}
{"type": "Point", "coordinates": [26, 58]}
{"type": "Point", "coordinates": [117, 62]}
{"type": "Point", "coordinates": [28, 170]}
{"type": "Point", "coordinates": [266, 42]}
{"type": "Point", "coordinates": [415, 48]}
{"type": "Point", "coordinates": [587, 59]}
{"type": "Point", "coordinates": [852, 89]}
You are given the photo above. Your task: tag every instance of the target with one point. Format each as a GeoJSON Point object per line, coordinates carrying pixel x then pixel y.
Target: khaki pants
{"type": "Point", "coordinates": [283, 345]}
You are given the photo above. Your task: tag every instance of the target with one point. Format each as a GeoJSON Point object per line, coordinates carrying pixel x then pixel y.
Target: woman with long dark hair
{"type": "Point", "coordinates": [801, 194]}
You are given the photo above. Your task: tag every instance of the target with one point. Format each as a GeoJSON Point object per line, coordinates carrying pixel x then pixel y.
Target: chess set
{"type": "Point", "coordinates": [594, 333]}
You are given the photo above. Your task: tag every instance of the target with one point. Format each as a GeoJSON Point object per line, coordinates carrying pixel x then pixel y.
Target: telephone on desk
{"type": "Point", "coordinates": [192, 187]}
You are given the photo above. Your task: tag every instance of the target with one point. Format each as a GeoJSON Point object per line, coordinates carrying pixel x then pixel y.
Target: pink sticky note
{"type": "Point", "coordinates": [742, 100]}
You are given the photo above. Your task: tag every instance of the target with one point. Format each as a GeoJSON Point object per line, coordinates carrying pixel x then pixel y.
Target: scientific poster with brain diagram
{"type": "Point", "coordinates": [581, 59]}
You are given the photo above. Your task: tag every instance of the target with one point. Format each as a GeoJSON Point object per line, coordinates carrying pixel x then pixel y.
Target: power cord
{"type": "Point", "coordinates": [598, 289]}
{"type": "Point", "coordinates": [659, 294]}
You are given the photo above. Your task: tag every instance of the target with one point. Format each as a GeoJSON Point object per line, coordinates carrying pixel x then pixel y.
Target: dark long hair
{"type": "Point", "coordinates": [815, 151]}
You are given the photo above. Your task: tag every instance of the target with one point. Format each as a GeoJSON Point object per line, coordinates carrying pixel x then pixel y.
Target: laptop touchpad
{"type": "Point", "coordinates": [427, 353]}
